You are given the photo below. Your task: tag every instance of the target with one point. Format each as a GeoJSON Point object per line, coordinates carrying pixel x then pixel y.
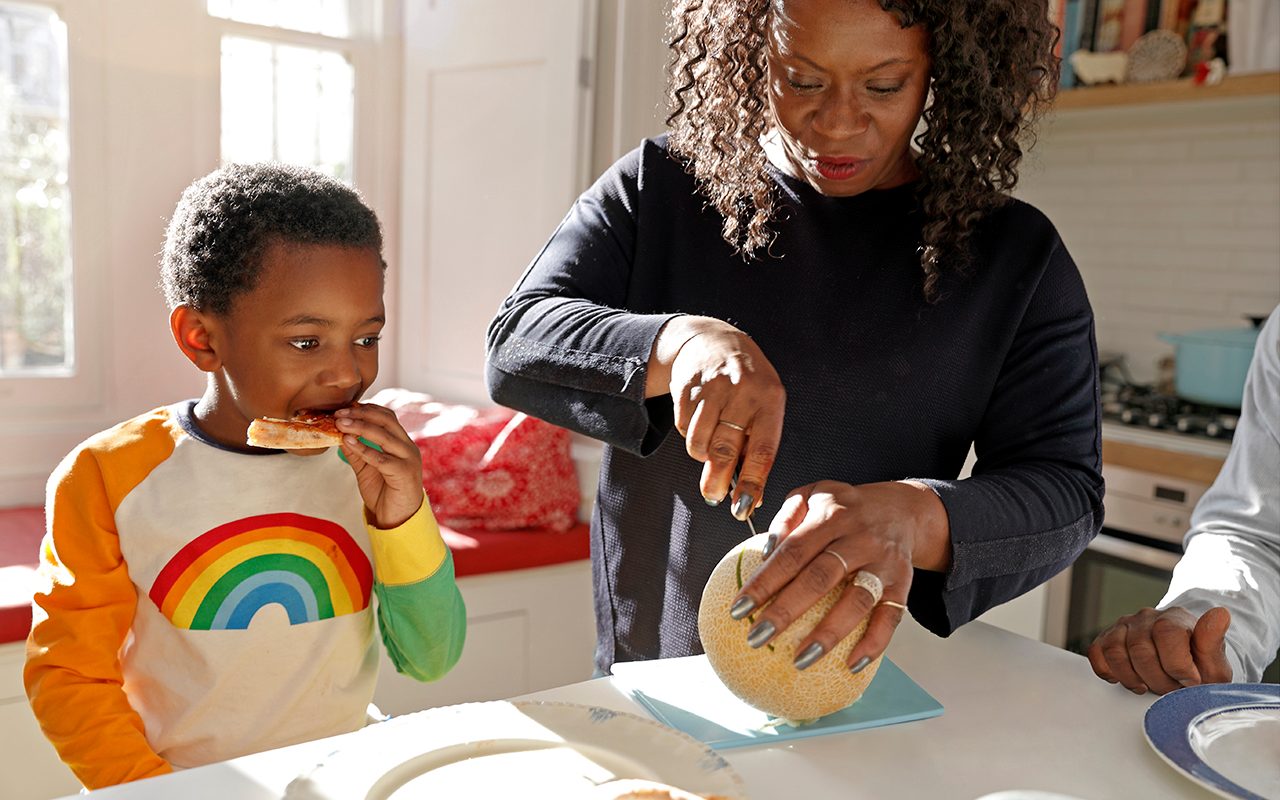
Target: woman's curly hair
{"type": "Point", "coordinates": [224, 222]}
{"type": "Point", "coordinates": [993, 71]}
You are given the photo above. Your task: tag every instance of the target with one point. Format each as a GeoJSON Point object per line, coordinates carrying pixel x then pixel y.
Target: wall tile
{"type": "Point", "coordinates": [1172, 213]}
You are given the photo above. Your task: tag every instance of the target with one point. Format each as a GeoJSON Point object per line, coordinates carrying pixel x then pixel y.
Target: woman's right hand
{"type": "Point", "coordinates": [729, 404]}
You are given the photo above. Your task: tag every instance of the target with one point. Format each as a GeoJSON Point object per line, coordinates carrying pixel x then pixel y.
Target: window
{"type": "Point", "coordinates": [35, 209]}
{"type": "Point", "coordinates": [326, 17]}
{"type": "Point", "coordinates": [288, 86]}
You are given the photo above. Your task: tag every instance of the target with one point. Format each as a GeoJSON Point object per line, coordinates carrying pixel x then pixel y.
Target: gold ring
{"type": "Point", "coordinates": [892, 604]}
{"type": "Point", "coordinates": [733, 425]}
{"type": "Point", "coordinates": [839, 558]}
{"type": "Point", "coordinates": [870, 582]}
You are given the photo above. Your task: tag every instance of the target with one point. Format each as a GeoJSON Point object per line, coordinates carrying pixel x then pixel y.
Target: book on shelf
{"type": "Point", "coordinates": [1072, 24]}
{"type": "Point", "coordinates": [1134, 22]}
{"type": "Point", "coordinates": [1206, 34]}
{"type": "Point", "coordinates": [1109, 26]}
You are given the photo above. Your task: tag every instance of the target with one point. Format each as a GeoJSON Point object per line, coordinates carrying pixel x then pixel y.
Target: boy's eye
{"type": "Point", "coordinates": [305, 344]}
{"type": "Point", "coordinates": [369, 341]}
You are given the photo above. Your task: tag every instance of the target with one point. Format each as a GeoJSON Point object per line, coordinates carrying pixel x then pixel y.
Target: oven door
{"type": "Point", "coordinates": [1118, 574]}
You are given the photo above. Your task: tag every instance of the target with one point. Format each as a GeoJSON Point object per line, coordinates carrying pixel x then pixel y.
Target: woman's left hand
{"type": "Point", "coordinates": [390, 479]}
{"type": "Point", "coordinates": [827, 532]}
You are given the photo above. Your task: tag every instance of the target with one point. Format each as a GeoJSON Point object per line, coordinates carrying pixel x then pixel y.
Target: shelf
{"type": "Point", "coordinates": [1129, 94]}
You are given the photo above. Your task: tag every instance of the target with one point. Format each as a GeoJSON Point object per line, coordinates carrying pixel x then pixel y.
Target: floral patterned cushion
{"type": "Point", "coordinates": [491, 468]}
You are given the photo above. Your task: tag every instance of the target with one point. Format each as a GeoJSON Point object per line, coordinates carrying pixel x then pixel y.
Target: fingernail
{"type": "Point", "coordinates": [741, 608]}
{"type": "Point", "coordinates": [860, 665]}
{"type": "Point", "coordinates": [742, 507]}
{"type": "Point", "coordinates": [760, 634]}
{"type": "Point", "coordinates": [809, 655]}
{"type": "Point", "coordinates": [711, 502]}
{"type": "Point", "coordinates": [769, 544]}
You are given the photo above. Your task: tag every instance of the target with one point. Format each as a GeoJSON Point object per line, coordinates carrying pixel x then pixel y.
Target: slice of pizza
{"type": "Point", "coordinates": [305, 430]}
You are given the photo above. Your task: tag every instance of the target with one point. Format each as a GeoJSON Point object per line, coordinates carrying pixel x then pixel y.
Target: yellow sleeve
{"type": "Point", "coordinates": [82, 614]}
{"type": "Point", "coordinates": [409, 553]}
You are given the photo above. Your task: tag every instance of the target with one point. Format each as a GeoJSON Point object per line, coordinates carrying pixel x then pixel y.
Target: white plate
{"type": "Point", "coordinates": [512, 749]}
{"type": "Point", "coordinates": [1226, 737]}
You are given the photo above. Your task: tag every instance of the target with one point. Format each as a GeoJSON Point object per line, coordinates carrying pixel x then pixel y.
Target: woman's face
{"type": "Point", "coordinates": [847, 85]}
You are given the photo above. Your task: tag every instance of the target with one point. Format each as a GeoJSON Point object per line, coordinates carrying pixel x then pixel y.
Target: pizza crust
{"type": "Point", "coordinates": [306, 430]}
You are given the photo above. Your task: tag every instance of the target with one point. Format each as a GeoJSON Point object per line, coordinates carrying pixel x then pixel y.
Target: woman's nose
{"type": "Point", "coordinates": [841, 116]}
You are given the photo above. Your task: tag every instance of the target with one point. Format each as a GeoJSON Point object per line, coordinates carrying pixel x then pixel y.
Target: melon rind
{"type": "Point", "coordinates": [766, 678]}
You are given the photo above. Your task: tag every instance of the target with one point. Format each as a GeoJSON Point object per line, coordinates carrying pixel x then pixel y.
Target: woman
{"type": "Point", "coordinates": [797, 292]}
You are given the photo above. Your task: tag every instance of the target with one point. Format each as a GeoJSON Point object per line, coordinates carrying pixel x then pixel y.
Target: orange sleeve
{"type": "Point", "coordinates": [82, 615]}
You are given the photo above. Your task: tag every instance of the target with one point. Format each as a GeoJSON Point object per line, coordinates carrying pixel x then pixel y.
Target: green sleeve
{"type": "Point", "coordinates": [424, 623]}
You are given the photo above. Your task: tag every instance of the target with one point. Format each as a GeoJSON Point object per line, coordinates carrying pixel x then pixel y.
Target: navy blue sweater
{"type": "Point", "coordinates": [881, 385]}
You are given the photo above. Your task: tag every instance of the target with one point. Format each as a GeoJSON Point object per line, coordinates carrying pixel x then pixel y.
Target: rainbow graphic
{"type": "Point", "coordinates": [310, 567]}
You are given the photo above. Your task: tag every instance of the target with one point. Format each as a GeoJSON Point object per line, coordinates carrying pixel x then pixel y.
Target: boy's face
{"type": "Point", "coordinates": [306, 336]}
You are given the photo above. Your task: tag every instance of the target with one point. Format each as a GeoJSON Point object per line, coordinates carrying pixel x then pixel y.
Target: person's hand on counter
{"type": "Point", "coordinates": [1160, 651]}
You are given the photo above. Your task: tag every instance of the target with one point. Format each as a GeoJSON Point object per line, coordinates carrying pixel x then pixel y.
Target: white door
{"type": "Point", "coordinates": [496, 147]}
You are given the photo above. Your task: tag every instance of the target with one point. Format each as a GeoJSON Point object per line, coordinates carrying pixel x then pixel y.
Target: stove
{"type": "Point", "coordinates": [1150, 406]}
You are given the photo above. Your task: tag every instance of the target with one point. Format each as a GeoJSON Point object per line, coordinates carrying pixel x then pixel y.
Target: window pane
{"type": "Point", "coordinates": [328, 17]}
{"type": "Point", "coordinates": [286, 103]}
{"type": "Point", "coordinates": [35, 220]}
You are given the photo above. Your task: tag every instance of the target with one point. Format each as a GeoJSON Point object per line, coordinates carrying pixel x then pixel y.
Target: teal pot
{"type": "Point", "coordinates": [1212, 364]}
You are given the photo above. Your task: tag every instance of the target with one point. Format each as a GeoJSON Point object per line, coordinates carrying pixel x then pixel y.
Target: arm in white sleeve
{"type": "Point", "coordinates": [1232, 556]}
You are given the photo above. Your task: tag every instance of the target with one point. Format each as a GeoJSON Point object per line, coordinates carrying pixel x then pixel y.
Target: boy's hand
{"type": "Point", "coordinates": [390, 481]}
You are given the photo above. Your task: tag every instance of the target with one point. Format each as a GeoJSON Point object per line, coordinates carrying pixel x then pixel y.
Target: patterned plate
{"type": "Point", "coordinates": [1226, 737]}
{"type": "Point", "coordinates": [512, 749]}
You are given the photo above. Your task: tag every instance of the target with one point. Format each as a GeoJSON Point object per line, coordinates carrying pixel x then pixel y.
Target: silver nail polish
{"type": "Point", "coordinates": [743, 607]}
{"type": "Point", "coordinates": [809, 655]}
{"type": "Point", "coordinates": [769, 544]}
{"type": "Point", "coordinates": [710, 502]}
{"type": "Point", "coordinates": [742, 508]}
{"type": "Point", "coordinates": [760, 633]}
{"type": "Point", "coordinates": [860, 665]}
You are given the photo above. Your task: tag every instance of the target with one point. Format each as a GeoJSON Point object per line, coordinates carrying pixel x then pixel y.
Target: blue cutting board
{"type": "Point", "coordinates": [686, 694]}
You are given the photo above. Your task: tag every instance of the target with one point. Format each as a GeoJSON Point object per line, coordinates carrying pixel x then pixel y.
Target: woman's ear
{"type": "Point", "coordinates": [191, 331]}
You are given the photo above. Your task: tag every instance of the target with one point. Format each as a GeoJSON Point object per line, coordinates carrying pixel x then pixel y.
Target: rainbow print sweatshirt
{"type": "Point", "coordinates": [202, 603]}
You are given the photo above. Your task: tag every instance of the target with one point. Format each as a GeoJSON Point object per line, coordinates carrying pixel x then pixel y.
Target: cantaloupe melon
{"type": "Point", "coordinates": [766, 678]}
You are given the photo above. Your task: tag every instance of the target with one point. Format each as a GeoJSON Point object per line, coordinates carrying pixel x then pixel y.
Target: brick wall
{"type": "Point", "coordinates": [1172, 212]}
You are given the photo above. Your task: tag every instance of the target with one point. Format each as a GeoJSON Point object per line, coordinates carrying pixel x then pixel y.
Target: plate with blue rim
{"type": "Point", "coordinates": [1224, 736]}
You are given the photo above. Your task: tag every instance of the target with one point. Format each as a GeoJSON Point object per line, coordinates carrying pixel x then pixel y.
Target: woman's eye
{"type": "Point", "coordinates": [803, 86]}
{"type": "Point", "coordinates": [885, 90]}
{"type": "Point", "coordinates": [369, 341]}
{"type": "Point", "coordinates": [305, 344]}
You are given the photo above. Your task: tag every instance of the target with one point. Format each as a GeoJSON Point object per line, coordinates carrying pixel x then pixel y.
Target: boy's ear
{"type": "Point", "coordinates": [191, 331]}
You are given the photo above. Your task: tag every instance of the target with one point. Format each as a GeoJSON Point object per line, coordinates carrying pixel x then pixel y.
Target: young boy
{"type": "Point", "coordinates": [206, 599]}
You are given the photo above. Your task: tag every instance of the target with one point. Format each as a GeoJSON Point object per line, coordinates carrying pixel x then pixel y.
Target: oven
{"type": "Point", "coordinates": [1129, 564]}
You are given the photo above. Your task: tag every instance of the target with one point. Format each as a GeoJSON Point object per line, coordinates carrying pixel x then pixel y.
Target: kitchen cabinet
{"type": "Point", "coordinates": [1179, 91]}
{"type": "Point", "coordinates": [29, 767]}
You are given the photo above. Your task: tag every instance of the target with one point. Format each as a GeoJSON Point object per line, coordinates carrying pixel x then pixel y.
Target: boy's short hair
{"type": "Point", "coordinates": [225, 221]}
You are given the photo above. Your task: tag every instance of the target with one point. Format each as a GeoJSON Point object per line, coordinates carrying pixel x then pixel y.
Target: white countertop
{"type": "Point", "coordinates": [1019, 714]}
{"type": "Point", "coordinates": [1165, 440]}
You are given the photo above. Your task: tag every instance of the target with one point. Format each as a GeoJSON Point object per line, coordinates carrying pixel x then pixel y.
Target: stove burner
{"type": "Point", "coordinates": [1143, 406]}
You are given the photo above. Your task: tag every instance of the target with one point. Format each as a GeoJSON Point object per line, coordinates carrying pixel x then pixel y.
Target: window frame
{"type": "Point", "coordinates": [81, 393]}
{"type": "Point", "coordinates": [81, 387]}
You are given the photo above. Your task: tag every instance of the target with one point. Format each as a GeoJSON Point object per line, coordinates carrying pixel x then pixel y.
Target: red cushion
{"type": "Point", "coordinates": [480, 552]}
{"type": "Point", "coordinates": [20, 532]}
{"type": "Point", "coordinates": [489, 469]}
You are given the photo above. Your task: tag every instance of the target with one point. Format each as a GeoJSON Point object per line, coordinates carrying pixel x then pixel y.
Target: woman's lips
{"type": "Point", "coordinates": [838, 169]}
